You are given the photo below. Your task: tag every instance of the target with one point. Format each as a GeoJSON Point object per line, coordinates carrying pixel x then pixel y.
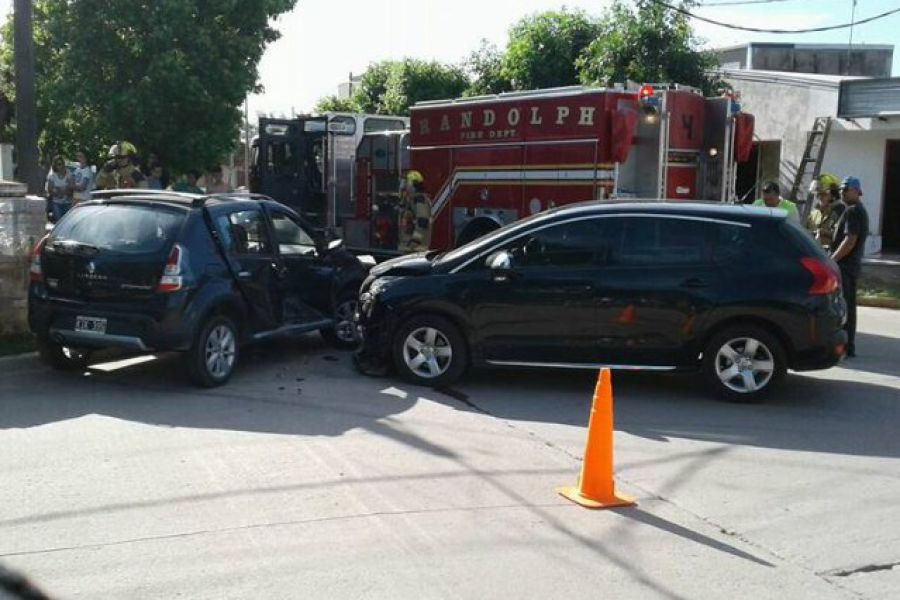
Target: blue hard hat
{"type": "Point", "coordinates": [851, 182]}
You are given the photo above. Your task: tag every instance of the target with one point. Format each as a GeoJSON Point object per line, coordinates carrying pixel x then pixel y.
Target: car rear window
{"type": "Point", "coordinates": [128, 229]}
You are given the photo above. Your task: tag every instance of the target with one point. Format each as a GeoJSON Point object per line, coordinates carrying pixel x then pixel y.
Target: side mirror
{"type": "Point", "coordinates": [501, 264]}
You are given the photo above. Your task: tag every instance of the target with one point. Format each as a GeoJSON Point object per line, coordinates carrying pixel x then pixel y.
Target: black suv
{"type": "Point", "coordinates": [739, 293]}
{"type": "Point", "coordinates": [199, 274]}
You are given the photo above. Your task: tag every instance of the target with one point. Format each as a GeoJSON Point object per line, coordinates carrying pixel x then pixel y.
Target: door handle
{"type": "Point", "coordinates": [244, 275]}
{"type": "Point", "coordinates": [694, 283]}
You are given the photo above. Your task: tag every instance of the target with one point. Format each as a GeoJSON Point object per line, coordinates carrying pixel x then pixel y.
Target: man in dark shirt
{"type": "Point", "coordinates": [850, 235]}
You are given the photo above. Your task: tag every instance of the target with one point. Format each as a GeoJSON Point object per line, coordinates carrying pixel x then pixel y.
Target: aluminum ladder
{"type": "Point", "coordinates": [811, 164]}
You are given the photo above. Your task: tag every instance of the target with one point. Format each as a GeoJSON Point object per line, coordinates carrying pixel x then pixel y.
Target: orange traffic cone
{"type": "Point", "coordinates": [596, 488]}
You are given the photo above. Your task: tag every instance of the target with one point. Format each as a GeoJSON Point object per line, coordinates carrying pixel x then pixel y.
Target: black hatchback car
{"type": "Point", "coordinates": [199, 274]}
{"type": "Point", "coordinates": [736, 292]}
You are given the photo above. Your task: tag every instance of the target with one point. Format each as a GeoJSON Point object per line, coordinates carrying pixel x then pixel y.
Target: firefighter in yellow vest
{"type": "Point", "coordinates": [414, 221]}
{"type": "Point", "coordinates": [121, 171]}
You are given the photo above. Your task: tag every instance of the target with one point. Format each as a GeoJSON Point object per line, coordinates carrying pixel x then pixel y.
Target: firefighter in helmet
{"type": "Point", "coordinates": [120, 170]}
{"type": "Point", "coordinates": [414, 222]}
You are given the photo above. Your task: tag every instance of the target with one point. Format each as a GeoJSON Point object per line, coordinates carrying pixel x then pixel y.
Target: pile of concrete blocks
{"type": "Point", "coordinates": [23, 222]}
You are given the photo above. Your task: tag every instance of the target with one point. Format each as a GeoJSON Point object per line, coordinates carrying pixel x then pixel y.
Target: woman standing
{"type": "Point", "coordinates": [60, 189]}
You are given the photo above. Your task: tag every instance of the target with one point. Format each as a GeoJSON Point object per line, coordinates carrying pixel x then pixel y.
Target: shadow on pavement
{"type": "Point", "coordinates": [288, 387]}
{"type": "Point", "coordinates": [876, 354]}
{"type": "Point", "coordinates": [807, 412]}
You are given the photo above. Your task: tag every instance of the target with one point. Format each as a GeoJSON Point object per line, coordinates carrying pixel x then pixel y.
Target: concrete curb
{"type": "Point", "coordinates": [15, 357]}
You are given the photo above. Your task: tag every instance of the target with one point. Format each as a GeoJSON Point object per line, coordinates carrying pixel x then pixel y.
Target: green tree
{"type": "Point", "coordinates": [335, 104]}
{"type": "Point", "coordinates": [167, 75]}
{"type": "Point", "coordinates": [391, 87]}
{"type": "Point", "coordinates": [485, 68]}
{"type": "Point", "coordinates": [543, 49]}
{"type": "Point", "coordinates": [646, 43]}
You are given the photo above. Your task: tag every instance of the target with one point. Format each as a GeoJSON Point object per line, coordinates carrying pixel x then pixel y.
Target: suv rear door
{"type": "Point", "coordinates": [656, 289]}
{"type": "Point", "coordinates": [245, 240]}
{"type": "Point", "coordinates": [111, 252]}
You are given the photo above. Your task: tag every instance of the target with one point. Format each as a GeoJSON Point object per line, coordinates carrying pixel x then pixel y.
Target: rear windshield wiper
{"type": "Point", "coordinates": [74, 247]}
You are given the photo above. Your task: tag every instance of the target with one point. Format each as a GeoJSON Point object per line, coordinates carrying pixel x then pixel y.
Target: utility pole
{"type": "Point", "coordinates": [247, 141]}
{"type": "Point", "coordinates": [26, 119]}
{"type": "Point", "coordinates": [852, 23]}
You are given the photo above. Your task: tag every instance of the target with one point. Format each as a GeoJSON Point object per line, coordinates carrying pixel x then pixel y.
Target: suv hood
{"type": "Point", "coordinates": [411, 264]}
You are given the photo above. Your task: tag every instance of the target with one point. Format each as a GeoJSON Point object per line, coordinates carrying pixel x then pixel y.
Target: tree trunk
{"type": "Point", "coordinates": [26, 119]}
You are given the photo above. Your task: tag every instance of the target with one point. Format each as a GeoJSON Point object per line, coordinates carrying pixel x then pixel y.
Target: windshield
{"type": "Point", "coordinates": [487, 240]}
{"type": "Point", "coordinates": [129, 229]}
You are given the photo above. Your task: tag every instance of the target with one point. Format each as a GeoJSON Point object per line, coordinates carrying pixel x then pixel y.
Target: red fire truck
{"type": "Point", "coordinates": [488, 161]}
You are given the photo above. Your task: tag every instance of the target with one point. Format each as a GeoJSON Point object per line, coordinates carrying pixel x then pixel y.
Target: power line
{"type": "Point", "coordinates": [738, 2]}
{"type": "Point", "coordinates": [757, 30]}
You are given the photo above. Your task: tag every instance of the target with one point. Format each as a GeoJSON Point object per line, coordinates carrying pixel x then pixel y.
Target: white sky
{"type": "Point", "coordinates": [324, 40]}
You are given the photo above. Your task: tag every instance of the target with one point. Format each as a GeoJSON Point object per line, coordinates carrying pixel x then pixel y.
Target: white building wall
{"type": "Point", "coordinates": [862, 154]}
{"type": "Point", "coordinates": [785, 110]}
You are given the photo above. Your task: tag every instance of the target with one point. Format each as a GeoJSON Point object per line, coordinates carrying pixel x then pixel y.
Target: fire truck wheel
{"type": "Point", "coordinates": [430, 350]}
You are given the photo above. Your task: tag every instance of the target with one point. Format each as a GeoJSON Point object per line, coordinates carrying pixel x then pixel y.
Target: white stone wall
{"type": "Point", "coordinates": [22, 224]}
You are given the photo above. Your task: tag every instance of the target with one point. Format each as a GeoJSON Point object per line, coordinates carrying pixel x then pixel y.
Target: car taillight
{"type": "Point", "coordinates": [172, 278]}
{"type": "Point", "coordinates": [825, 280]}
{"type": "Point", "coordinates": [36, 271]}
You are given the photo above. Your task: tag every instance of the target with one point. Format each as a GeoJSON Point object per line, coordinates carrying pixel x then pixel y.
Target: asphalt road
{"type": "Point", "coordinates": [302, 479]}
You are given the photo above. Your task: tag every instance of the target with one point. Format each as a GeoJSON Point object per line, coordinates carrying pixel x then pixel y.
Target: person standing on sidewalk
{"type": "Point", "coordinates": [60, 188]}
{"type": "Point", "coordinates": [850, 235]}
{"type": "Point", "coordinates": [84, 178]}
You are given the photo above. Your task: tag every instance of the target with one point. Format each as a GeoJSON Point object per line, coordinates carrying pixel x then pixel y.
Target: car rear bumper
{"type": "Point", "coordinates": [68, 337]}
{"type": "Point", "coordinates": [159, 329]}
{"type": "Point", "coordinates": [822, 357]}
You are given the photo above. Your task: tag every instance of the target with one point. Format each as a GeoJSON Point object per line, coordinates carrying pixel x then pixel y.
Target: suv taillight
{"type": "Point", "coordinates": [172, 278]}
{"type": "Point", "coordinates": [36, 271]}
{"type": "Point", "coordinates": [825, 280]}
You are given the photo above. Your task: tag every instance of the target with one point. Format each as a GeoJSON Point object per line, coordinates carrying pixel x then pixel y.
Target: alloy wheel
{"type": "Point", "coordinates": [427, 352]}
{"type": "Point", "coordinates": [745, 365]}
{"type": "Point", "coordinates": [221, 348]}
{"type": "Point", "coordinates": [344, 329]}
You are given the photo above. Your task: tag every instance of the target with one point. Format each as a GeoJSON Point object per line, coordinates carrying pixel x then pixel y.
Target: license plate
{"type": "Point", "coordinates": [90, 325]}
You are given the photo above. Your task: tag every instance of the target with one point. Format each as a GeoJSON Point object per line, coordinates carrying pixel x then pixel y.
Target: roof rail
{"type": "Point", "coordinates": [198, 202]}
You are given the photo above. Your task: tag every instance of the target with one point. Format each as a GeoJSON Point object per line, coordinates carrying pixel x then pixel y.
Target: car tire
{"type": "Point", "coordinates": [743, 363]}
{"type": "Point", "coordinates": [430, 350]}
{"type": "Point", "coordinates": [62, 358]}
{"type": "Point", "coordinates": [343, 334]}
{"type": "Point", "coordinates": [214, 354]}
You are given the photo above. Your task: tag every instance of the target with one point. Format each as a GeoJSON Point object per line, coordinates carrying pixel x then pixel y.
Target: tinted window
{"type": "Point", "coordinates": [651, 241]}
{"type": "Point", "coordinates": [121, 228]}
{"type": "Point", "coordinates": [290, 237]}
{"type": "Point", "coordinates": [732, 243]}
{"type": "Point", "coordinates": [574, 244]}
{"type": "Point", "coordinates": [246, 233]}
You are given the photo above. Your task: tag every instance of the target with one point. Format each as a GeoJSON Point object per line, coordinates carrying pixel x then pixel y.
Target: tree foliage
{"type": "Point", "coordinates": [167, 75]}
{"type": "Point", "coordinates": [391, 87]}
{"type": "Point", "coordinates": [543, 48]}
{"type": "Point", "coordinates": [645, 43]}
{"type": "Point", "coordinates": [335, 104]}
{"type": "Point", "coordinates": [485, 68]}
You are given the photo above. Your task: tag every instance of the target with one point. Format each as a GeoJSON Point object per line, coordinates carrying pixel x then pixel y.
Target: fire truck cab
{"type": "Point", "coordinates": [309, 163]}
